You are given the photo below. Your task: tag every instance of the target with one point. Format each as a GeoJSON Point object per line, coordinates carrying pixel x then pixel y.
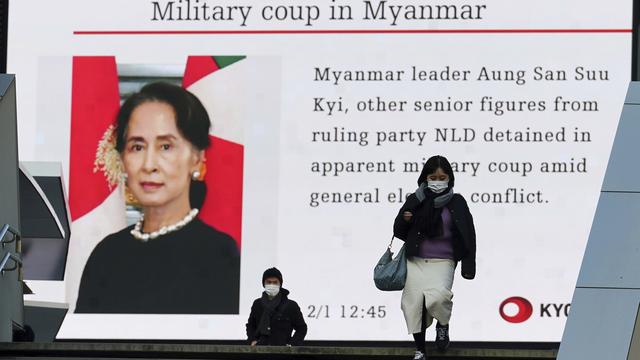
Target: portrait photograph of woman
{"type": "Point", "coordinates": [169, 261]}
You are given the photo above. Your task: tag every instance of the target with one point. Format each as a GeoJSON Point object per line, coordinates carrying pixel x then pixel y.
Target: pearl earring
{"type": "Point", "coordinates": [195, 175]}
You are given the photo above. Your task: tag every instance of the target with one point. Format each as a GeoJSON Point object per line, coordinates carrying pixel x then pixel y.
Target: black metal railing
{"type": "Point", "coordinates": [8, 229]}
{"type": "Point", "coordinates": [17, 262]}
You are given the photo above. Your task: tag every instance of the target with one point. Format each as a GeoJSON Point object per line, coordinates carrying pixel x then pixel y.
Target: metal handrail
{"type": "Point", "coordinates": [5, 229]}
{"type": "Point", "coordinates": [16, 259]}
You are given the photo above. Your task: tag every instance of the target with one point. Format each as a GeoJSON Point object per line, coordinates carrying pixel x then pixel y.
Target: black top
{"type": "Point", "coordinates": [286, 323]}
{"type": "Point", "coordinates": [464, 239]}
{"type": "Point", "coordinates": [194, 270]}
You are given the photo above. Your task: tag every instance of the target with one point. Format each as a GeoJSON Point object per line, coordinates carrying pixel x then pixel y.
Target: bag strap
{"type": "Point", "coordinates": [391, 243]}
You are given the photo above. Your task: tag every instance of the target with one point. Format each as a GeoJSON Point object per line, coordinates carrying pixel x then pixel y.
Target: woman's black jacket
{"type": "Point", "coordinates": [464, 244]}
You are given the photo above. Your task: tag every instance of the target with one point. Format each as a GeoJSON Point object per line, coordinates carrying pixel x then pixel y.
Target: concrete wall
{"type": "Point", "coordinates": [605, 304]}
{"type": "Point", "coordinates": [10, 287]}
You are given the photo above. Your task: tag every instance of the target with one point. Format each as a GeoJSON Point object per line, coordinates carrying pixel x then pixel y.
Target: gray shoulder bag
{"type": "Point", "coordinates": [390, 273]}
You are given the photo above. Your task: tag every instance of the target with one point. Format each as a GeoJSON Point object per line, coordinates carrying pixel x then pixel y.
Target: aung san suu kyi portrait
{"type": "Point", "coordinates": [169, 261]}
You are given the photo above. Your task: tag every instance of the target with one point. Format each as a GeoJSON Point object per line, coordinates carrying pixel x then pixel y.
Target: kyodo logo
{"type": "Point", "coordinates": [524, 312]}
{"type": "Point", "coordinates": [518, 309]}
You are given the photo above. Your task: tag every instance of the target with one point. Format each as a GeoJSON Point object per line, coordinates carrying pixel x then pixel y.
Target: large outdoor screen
{"type": "Point", "coordinates": [323, 113]}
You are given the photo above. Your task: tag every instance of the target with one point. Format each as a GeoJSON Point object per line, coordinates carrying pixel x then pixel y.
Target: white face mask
{"type": "Point", "coordinates": [272, 290]}
{"type": "Point", "coordinates": [437, 186]}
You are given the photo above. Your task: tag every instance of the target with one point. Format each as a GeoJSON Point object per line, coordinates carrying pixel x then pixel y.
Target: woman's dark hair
{"type": "Point", "coordinates": [192, 121]}
{"type": "Point", "coordinates": [432, 165]}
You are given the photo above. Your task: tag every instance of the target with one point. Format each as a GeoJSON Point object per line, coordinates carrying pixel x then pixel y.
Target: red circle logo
{"type": "Point", "coordinates": [525, 309]}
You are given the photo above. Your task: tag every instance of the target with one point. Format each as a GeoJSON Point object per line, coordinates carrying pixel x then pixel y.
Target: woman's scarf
{"type": "Point", "coordinates": [429, 214]}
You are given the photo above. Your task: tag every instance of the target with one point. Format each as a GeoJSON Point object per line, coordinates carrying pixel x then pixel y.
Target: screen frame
{"type": "Point", "coordinates": [4, 28]}
{"type": "Point", "coordinates": [635, 46]}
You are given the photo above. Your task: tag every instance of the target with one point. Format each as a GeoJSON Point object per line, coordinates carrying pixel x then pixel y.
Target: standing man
{"type": "Point", "coordinates": [274, 317]}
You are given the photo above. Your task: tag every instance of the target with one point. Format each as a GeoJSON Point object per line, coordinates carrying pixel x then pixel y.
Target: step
{"type": "Point", "coordinates": [207, 351]}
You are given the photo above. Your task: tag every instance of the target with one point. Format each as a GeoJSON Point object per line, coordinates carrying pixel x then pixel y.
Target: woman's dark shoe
{"type": "Point", "coordinates": [442, 337]}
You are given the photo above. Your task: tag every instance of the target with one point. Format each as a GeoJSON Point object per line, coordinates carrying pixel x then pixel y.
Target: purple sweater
{"type": "Point", "coordinates": [439, 247]}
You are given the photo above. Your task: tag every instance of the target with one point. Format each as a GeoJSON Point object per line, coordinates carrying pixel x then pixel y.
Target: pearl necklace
{"type": "Point", "coordinates": [138, 234]}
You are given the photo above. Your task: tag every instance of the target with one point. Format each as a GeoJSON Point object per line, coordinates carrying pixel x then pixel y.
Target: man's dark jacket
{"type": "Point", "coordinates": [464, 243]}
{"type": "Point", "coordinates": [285, 319]}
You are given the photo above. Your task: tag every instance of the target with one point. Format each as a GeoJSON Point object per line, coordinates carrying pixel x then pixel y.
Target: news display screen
{"type": "Point", "coordinates": [322, 117]}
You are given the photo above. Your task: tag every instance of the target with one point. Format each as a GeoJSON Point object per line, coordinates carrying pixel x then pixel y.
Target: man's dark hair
{"type": "Point", "coordinates": [272, 272]}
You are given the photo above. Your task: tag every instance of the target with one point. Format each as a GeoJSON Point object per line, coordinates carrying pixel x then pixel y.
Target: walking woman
{"type": "Point", "coordinates": [438, 231]}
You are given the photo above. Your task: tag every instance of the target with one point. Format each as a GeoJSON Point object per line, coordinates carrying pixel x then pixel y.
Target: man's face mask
{"type": "Point", "coordinates": [272, 289]}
